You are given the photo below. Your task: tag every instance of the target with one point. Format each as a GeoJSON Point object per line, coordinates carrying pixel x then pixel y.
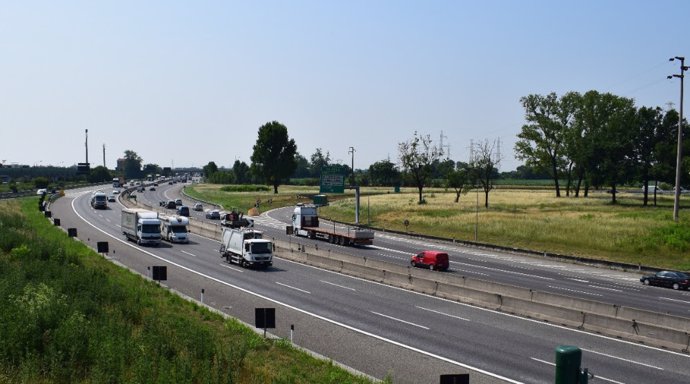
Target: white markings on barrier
{"type": "Point", "coordinates": [669, 299]}
{"type": "Point", "coordinates": [622, 359]}
{"type": "Point", "coordinates": [188, 253]}
{"type": "Point", "coordinates": [291, 287]}
{"type": "Point", "coordinates": [338, 285]}
{"type": "Point", "coordinates": [233, 268]}
{"type": "Point", "coordinates": [442, 313]}
{"type": "Point", "coordinates": [605, 288]}
{"type": "Point", "coordinates": [400, 320]}
{"type": "Point", "coordinates": [575, 290]}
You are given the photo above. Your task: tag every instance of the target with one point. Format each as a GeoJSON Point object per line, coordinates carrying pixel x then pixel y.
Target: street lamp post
{"type": "Point", "coordinates": [681, 76]}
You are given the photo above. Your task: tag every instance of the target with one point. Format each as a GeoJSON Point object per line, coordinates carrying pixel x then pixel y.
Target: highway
{"type": "Point", "coordinates": [381, 330]}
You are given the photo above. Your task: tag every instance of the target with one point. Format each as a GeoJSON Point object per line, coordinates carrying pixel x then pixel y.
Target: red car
{"type": "Point", "coordinates": [430, 259]}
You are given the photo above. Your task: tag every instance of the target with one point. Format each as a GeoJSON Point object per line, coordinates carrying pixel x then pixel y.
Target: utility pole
{"type": "Point", "coordinates": [86, 144]}
{"type": "Point", "coordinates": [104, 155]}
{"type": "Point", "coordinates": [679, 155]}
{"type": "Point", "coordinates": [351, 150]}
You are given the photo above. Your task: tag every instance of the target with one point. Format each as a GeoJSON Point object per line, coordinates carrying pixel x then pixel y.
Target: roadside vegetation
{"type": "Point", "coordinates": [534, 219]}
{"type": "Point", "coordinates": [68, 315]}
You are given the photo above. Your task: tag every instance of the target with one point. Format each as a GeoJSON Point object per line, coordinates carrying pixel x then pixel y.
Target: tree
{"type": "Point", "coordinates": [443, 167]}
{"type": "Point", "coordinates": [459, 180]}
{"type": "Point", "coordinates": [241, 171]}
{"type": "Point", "coordinates": [648, 123]}
{"type": "Point", "coordinates": [384, 172]}
{"type": "Point", "coordinates": [541, 141]}
{"type": "Point", "coordinates": [152, 169]}
{"type": "Point", "coordinates": [611, 138]}
{"type": "Point", "coordinates": [99, 174]}
{"type": "Point", "coordinates": [417, 157]}
{"type": "Point", "coordinates": [318, 161]}
{"type": "Point", "coordinates": [132, 165]}
{"type": "Point", "coordinates": [274, 154]}
{"type": "Point", "coordinates": [484, 167]}
{"type": "Point", "coordinates": [302, 170]}
{"type": "Point", "coordinates": [209, 169]}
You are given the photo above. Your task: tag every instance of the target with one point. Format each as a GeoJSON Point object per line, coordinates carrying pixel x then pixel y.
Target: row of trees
{"type": "Point", "coordinates": [596, 139]}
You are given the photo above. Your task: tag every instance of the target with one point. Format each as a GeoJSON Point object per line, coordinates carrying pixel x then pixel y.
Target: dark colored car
{"type": "Point", "coordinates": [430, 259]}
{"type": "Point", "coordinates": [213, 214]}
{"type": "Point", "coordinates": [171, 204]}
{"type": "Point", "coordinates": [183, 210]}
{"type": "Point", "coordinates": [669, 279]}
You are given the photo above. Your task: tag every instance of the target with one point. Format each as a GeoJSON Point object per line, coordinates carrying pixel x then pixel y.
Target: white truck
{"type": "Point", "coordinates": [174, 228]}
{"type": "Point", "coordinates": [99, 200]}
{"type": "Point", "coordinates": [305, 222]}
{"type": "Point", "coordinates": [141, 225]}
{"type": "Point", "coordinates": [246, 247]}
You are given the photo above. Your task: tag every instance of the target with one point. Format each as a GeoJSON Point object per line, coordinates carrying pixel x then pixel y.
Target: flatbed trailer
{"type": "Point", "coordinates": [305, 222]}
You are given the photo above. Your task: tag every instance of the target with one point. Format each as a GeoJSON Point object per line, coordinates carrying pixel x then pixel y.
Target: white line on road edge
{"type": "Point", "coordinates": [622, 359]}
{"type": "Point", "coordinates": [605, 288]}
{"type": "Point", "coordinates": [503, 270]}
{"type": "Point", "coordinates": [229, 267]}
{"type": "Point", "coordinates": [338, 285]}
{"type": "Point", "coordinates": [402, 321]}
{"type": "Point", "coordinates": [188, 253]}
{"type": "Point", "coordinates": [669, 299]}
{"type": "Point", "coordinates": [575, 290]}
{"type": "Point", "coordinates": [596, 376]}
{"type": "Point", "coordinates": [442, 313]}
{"type": "Point", "coordinates": [291, 287]}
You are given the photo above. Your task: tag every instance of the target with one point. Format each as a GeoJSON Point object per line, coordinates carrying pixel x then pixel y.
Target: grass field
{"type": "Point", "coordinates": [70, 316]}
{"type": "Point", "coordinates": [530, 219]}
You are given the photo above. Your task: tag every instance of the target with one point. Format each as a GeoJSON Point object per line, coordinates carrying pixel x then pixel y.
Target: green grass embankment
{"type": "Point", "coordinates": [70, 316]}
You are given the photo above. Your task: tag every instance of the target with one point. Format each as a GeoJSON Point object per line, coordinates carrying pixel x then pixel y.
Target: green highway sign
{"type": "Point", "coordinates": [332, 179]}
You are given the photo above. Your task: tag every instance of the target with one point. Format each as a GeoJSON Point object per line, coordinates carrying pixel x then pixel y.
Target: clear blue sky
{"type": "Point", "coordinates": [183, 83]}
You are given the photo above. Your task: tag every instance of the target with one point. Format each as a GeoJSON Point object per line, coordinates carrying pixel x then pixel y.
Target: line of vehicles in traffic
{"type": "Point", "coordinates": [244, 246]}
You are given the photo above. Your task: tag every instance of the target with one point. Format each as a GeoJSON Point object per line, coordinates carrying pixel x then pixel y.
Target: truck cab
{"type": "Point", "coordinates": [99, 200]}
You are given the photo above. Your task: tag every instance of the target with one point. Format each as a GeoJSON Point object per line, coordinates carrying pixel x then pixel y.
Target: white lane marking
{"type": "Point", "coordinates": [669, 299]}
{"type": "Point", "coordinates": [575, 290]}
{"type": "Point", "coordinates": [622, 359]}
{"type": "Point", "coordinates": [504, 270]}
{"type": "Point", "coordinates": [188, 253]}
{"type": "Point", "coordinates": [605, 288]}
{"type": "Point", "coordinates": [229, 267]}
{"type": "Point", "coordinates": [400, 320]}
{"type": "Point", "coordinates": [596, 377]}
{"type": "Point", "coordinates": [442, 313]}
{"type": "Point", "coordinates": [291, 287]}
{"type": "Point", "coordinates": [579, 280]}
{"type": "Point", "coordinates": [338, 285]}
{"type": "Point", "coordinates": [543, 361]}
